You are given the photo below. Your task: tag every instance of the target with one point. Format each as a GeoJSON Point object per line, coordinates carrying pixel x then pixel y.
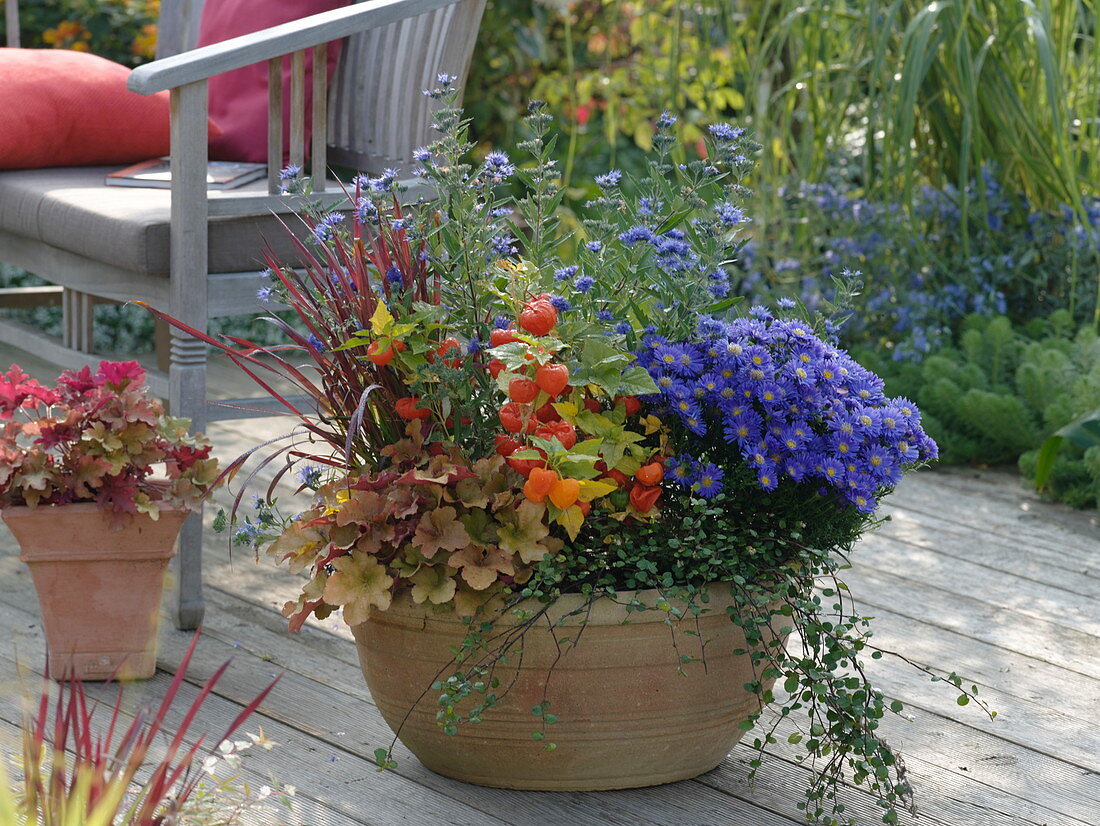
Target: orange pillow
{"type": "Point", "coordinates": [66, 108]}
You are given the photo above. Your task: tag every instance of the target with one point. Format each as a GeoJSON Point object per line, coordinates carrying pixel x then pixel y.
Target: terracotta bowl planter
{"type": "Point", "coordinates": [626, 718]}
{"type": "Point", "coordinates": [98, 590]}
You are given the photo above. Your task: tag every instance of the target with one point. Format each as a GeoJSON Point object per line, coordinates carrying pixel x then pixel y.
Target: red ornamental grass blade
{"type": "Point", "coordinates": [34, 739]}
{"type": "Point", "coordinates": [237, 357]}
{"type": "Point", "coordinates": [244, 714]}
{"type": "Point", "coordinates": [253, 474]}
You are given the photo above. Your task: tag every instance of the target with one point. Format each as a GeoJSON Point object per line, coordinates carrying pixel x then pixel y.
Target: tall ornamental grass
{"type": "Point", "coordinates": [926, 92]}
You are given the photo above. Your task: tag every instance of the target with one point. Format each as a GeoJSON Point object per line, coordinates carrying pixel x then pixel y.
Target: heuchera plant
{"type": "Point", "coordinates": [514, 408]}
{"type": "Point", "coordinates": [98, 437]}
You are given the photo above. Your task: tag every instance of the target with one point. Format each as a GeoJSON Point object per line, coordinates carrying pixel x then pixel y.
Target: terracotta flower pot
{"type": "Point", "coordinates": [625, 716]}
{"type": "Point", "coordinates": [98, 590]}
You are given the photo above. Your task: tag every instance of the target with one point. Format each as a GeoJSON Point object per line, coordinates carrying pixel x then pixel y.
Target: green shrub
{"type": "Point", "coordinates": [998, 393]}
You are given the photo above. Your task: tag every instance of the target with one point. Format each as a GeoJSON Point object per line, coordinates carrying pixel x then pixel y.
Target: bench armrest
{"type": "Point", "coordinates": [203, 63]}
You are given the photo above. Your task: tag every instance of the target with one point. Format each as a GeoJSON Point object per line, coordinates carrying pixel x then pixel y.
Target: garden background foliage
{"type": "Point", "coordinates": [950, 152]}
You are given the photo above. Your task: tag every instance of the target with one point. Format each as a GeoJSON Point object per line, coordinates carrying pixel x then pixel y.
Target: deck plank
{"type": "Point", "coordinates": [999, 553]}
{"type": "Point", "coordinates": [999, 504]}
{"type": "Point", "coordinates": [1025, 597]}
{"type": "Point", "coordinates": [939, 608]}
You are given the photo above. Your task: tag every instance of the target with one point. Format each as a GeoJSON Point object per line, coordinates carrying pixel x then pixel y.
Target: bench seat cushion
{"type": "Point", "coordinates": [127, 227]}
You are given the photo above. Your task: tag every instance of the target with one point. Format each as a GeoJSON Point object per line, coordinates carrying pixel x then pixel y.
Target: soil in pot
{"type": "Point", "coordinates": [625, 716]}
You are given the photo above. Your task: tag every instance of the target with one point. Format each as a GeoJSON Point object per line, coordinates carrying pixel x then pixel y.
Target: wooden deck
{"type": "Point", "coordinates": [972, 574]}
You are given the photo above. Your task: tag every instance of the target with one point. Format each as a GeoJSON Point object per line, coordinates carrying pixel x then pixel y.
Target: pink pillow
{"type": "Point", "coordinates": [238, 99]}
{"type": "Point", "coordinates": [65, 108]}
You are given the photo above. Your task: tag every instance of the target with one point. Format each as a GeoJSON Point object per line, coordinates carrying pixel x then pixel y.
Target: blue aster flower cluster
{"type": "Point", "coordinates": [790, 405]}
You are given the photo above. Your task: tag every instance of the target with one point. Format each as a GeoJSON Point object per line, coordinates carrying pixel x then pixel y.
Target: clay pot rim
{"type": "Point", "coordinates": [40, 542]}
{"type": "Point", "coordinates": [603, 611]}
{"type": "Point", "coordinates": [18, 511]}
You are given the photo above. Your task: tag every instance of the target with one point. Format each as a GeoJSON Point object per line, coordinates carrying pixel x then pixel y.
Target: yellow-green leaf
{"type": "Point", "coordinates": [434, 585]}
{"type": "Point", "coordinates": [567, 410]}
{"type": "Point", "coordinates": [381, 321]}
{"type": "Point", "coordinates": [591, 489]}
{"type": "Point", "coordinates": [571, 519]}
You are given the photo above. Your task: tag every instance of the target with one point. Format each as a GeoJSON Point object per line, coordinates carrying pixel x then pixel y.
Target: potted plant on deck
{"type": "Point", "coordinates": [584, 520]}
{"type": "Point", "coordinates": [95, 526]}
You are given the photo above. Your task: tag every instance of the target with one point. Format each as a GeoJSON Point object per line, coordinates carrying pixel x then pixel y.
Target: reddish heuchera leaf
{"type": "Point", "coordinates": [185, 456]}
{"type": "Point", "coordinates": [117, 497]}
{"type": "Point", "coordinates": [52, 433]}
{"type": "Point", "coordinates": [362, 508]}
{"type": "Point", "coordinates": [18, 390]}
{"type": "Point", "coordinates": [76, 384]}
{"type": "Point", "coordinates": [121, 374]}
{"type": "Point", "coordinates": [298, 618]}
{"type": "Point", "coordinates": [434, 477]}
{"type": "Point", "coordinates": [379, 482]}
{"type": "Point", "coordinates": [481, 566]}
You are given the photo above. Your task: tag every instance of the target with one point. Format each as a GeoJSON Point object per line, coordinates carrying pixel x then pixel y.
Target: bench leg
{"type": "Point", "coordinates": [187, 398]}
{"type": "Point", "coordinates": [188, 303]}
{"type": "Point", "coordinates": [77, 320]}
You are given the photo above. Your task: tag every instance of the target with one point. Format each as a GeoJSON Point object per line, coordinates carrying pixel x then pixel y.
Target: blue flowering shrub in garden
{"type": "Point", "coordinates": [951, 254]}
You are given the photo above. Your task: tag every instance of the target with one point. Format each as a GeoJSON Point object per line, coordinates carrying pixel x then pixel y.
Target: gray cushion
{"type": "Point", "coordinates": [127, 227]}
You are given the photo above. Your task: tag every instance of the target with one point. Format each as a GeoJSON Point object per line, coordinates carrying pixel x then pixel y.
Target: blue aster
{"type": "Point", "coordinates": [795, 468]}
{"type": "Point", "coordinates": [694, 423]}
{"type": "Point", "coordinates": [832, 471]}
{"type": "Point", "coordinates": [708, 481]}
{"type": "Point", "coordinates": [767, 476]}
{"type": "Point", "coordinates": [864, 501]}
{"type": "Point", "coordinates": [682, 469]}
{"type": "Point", "coordinates": [683, 404]}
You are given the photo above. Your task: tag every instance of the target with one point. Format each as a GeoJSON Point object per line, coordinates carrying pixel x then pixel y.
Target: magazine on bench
{"type": "Point", "coordinates": [157, 173]}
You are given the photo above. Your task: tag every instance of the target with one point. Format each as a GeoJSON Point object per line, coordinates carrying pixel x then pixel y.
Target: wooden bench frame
{"type": "Point", "coordinates": [191, 294]}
